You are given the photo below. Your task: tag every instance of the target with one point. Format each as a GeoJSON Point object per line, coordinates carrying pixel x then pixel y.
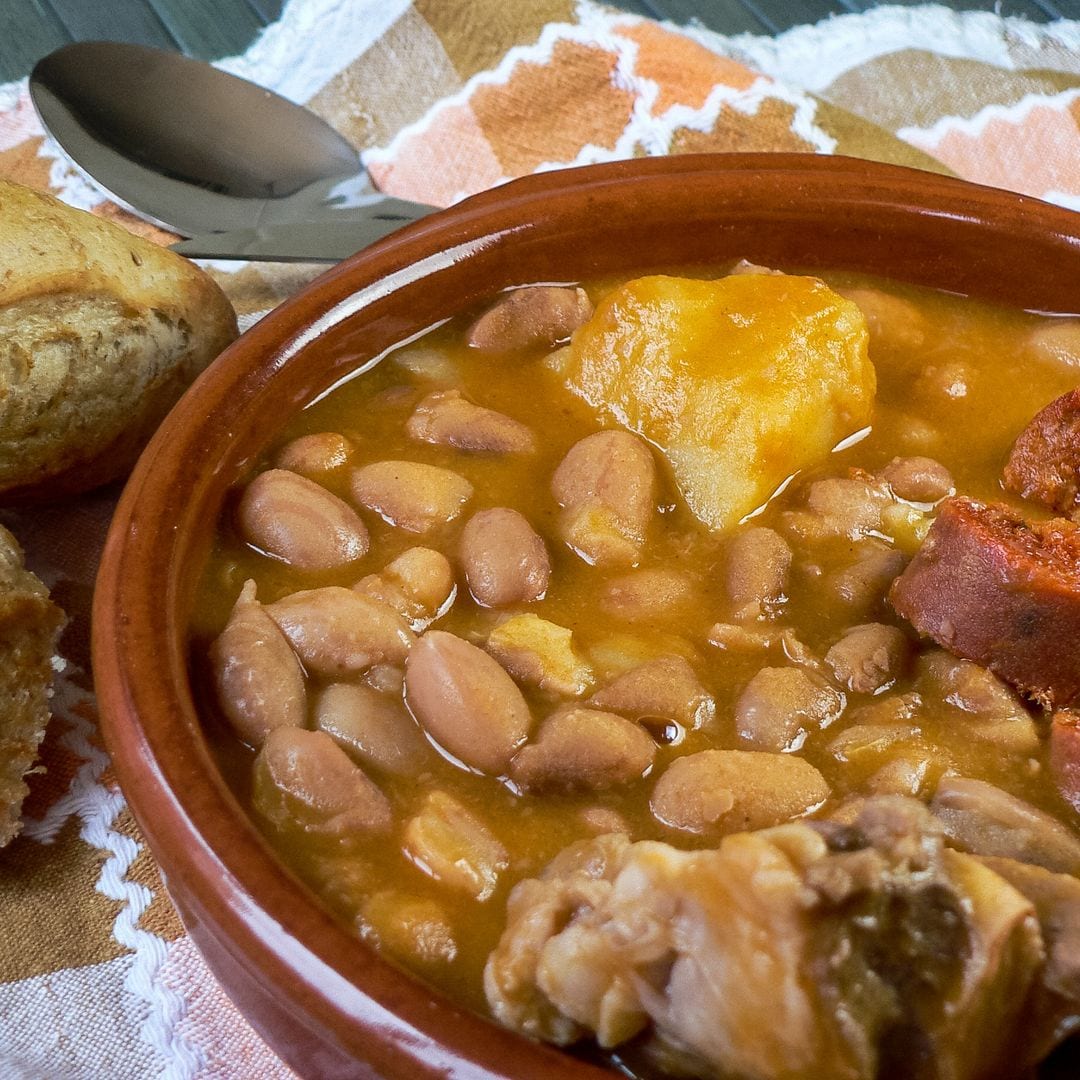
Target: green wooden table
{"type": "Point", "coordinates": [212, 28]}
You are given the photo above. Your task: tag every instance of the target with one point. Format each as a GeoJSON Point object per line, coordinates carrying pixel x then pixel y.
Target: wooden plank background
{"type": "Point", "coordinates": [212, 28]}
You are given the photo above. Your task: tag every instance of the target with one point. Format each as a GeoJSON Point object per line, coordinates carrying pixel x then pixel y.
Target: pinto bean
{"type": "Point", "coordinates": [894, 324]}
{"type": "Point", "coordinates": [758, 562]}
{"type": "Point", "coordinates": [386, 678]}
{"type": "Point", "coordinates": [540, 653]}
{"type": "Point", "coordinates": [1044, 463]}
{"type": "Point", "coordinates": [505, 560]}
{"type": "Point", "coordinates": [886, 746]}
{"type": "Point", "coordinates": [863, 584]}
{"type": "Point", "coordinates": [948, 381]}
{"type": "Point", "coordinates": [870, 741]}
{"type": "Point", "coordinates": [314, 455]}
{"type": "Point", "coordinates": [447, 418]}
{"type": "Point", "coordinates": [780, 707]}
{"type": "Point", "coordinates": [738, 638]}
{"type": "Point", "coordinates": [372, 728]}
{"type": "Point", "coordinates": [889, 709]}
{"type": "Point", "coordinates": [294, 519]}
{"type": "Point", "coordinates": [606, 486]}
{"type": "Point", "coordinates": [533, 317]}
{"type": "Point", "coordinates": [258, 679]}
{"type": "Point", "coordinates": [984, 820]}
{"type": "Point", "coordinates": [304, 780]}
{"type": "Point", "coordinates": [1056, 343]}
{"type": "Point", "coordinates": [744, 266]}
{"type": "Point", "coordinates": [918, 479]}
{"type": "Point", "coordinates": [602, 819]}
{"type": "Point", "coordinates": [393, 398]}
{"type": "Point", "coordinates": [916, 435]}
{"type": "Point", "coordinates": [667, 688]}
{"type": "Point", "coordinates": [415, 929]}
{"type": "Point", "coordinates": [455, 846]}
{"type": "Point", "coordinates": [338, 632]}
{"type": "Point", "coordinates": [466, 702]}
{"type": "Point", "coordinates": [425, 362]}
{"type": "Point", "coordinates": [715, 792]}
{"type": "Point", "coordinates": [412, 496]}
{"type": "Point", "coordinates": [914, 774]}
{"type": "Point", "coordinates": [578, 749]}
{"type": "Point", "coordinates": [643, 595]}
{"type": "Point", "coordinates": [848, 506]}
{"type": "Point", "coordinates": [868, 658]}
{"type": "Point", "coordinates": [419, 585]}
{"type": "Point", "coordinates": [1005, 592]}
{"type": "Point", "coordinates": [1065, 755]}
{"type": "Point", "coordinates": [994, 712]}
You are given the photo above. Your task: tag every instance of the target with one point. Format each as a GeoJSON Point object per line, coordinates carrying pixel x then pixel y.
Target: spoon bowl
{"type": "Point", "coordinates": [198, 150]}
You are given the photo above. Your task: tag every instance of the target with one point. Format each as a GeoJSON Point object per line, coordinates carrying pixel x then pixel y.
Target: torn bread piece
{"type": "Point", "coordinates": [30, 625]}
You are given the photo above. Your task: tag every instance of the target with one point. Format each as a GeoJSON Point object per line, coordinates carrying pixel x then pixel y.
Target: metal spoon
{"type": "Point", "coordinates": [197, 150]}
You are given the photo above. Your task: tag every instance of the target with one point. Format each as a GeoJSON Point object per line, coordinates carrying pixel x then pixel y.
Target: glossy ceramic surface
{"type": "Point", "coordinates": [324, 1001]}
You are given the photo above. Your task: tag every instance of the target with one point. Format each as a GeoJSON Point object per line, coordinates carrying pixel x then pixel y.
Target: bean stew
{"type": "Point", "coordinates": [680, 670]}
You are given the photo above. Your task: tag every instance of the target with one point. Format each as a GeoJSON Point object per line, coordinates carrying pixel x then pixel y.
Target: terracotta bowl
{"type": "Point", "coordinates": [324, 1001]}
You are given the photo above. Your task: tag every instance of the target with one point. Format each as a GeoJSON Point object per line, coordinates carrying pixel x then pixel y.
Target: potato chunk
{"type": "Point", "coordinates": [739, 382]}
{"type": "Point", "coordinates": [542, 654]}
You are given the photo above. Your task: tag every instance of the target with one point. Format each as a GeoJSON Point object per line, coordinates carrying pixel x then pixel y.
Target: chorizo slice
{"type": "Point", "coordinates": [1065, 755]}
{"type": "Point", "coordinates": [991, 587]}
{"type": "Point", "coordinates": [1044, 463]}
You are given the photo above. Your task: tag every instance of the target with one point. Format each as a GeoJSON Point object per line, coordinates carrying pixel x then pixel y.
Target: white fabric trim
{"type": "Point", "coordinates": [974, 126]}
{"type": "Point", "coordinates": [311, 42]}
{"type": "Point", "coordinates": [811, 57]}
{"type": "Point", "coordinates": [97, 807]}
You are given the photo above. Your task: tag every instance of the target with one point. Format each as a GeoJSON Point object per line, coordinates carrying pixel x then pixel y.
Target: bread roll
{"type": "Point", "coordinates": [30, 625]}
{"type": "Point", "coordinates": [100, 333]}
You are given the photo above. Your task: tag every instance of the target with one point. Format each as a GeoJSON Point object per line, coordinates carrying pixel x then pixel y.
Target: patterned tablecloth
{"type": "Point", "coordinates": [445, 98]}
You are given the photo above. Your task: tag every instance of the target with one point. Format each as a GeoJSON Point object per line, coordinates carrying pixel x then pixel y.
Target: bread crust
{"type": "Point", "coordinates": [100, 333]}
{"type": "Point", "coordinates": [30, 625]}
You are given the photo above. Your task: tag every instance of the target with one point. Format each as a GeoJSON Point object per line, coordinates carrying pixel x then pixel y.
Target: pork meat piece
{"type": "Point", "coordinates": [803, 951]}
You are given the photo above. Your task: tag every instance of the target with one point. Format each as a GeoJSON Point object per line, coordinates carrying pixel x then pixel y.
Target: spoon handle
{"type": "Point", "coordinates": [304, 241]}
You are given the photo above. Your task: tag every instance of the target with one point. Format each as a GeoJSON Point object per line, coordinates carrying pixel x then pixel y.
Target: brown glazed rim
{"type": "Point", "coordinates": [257, 924]}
